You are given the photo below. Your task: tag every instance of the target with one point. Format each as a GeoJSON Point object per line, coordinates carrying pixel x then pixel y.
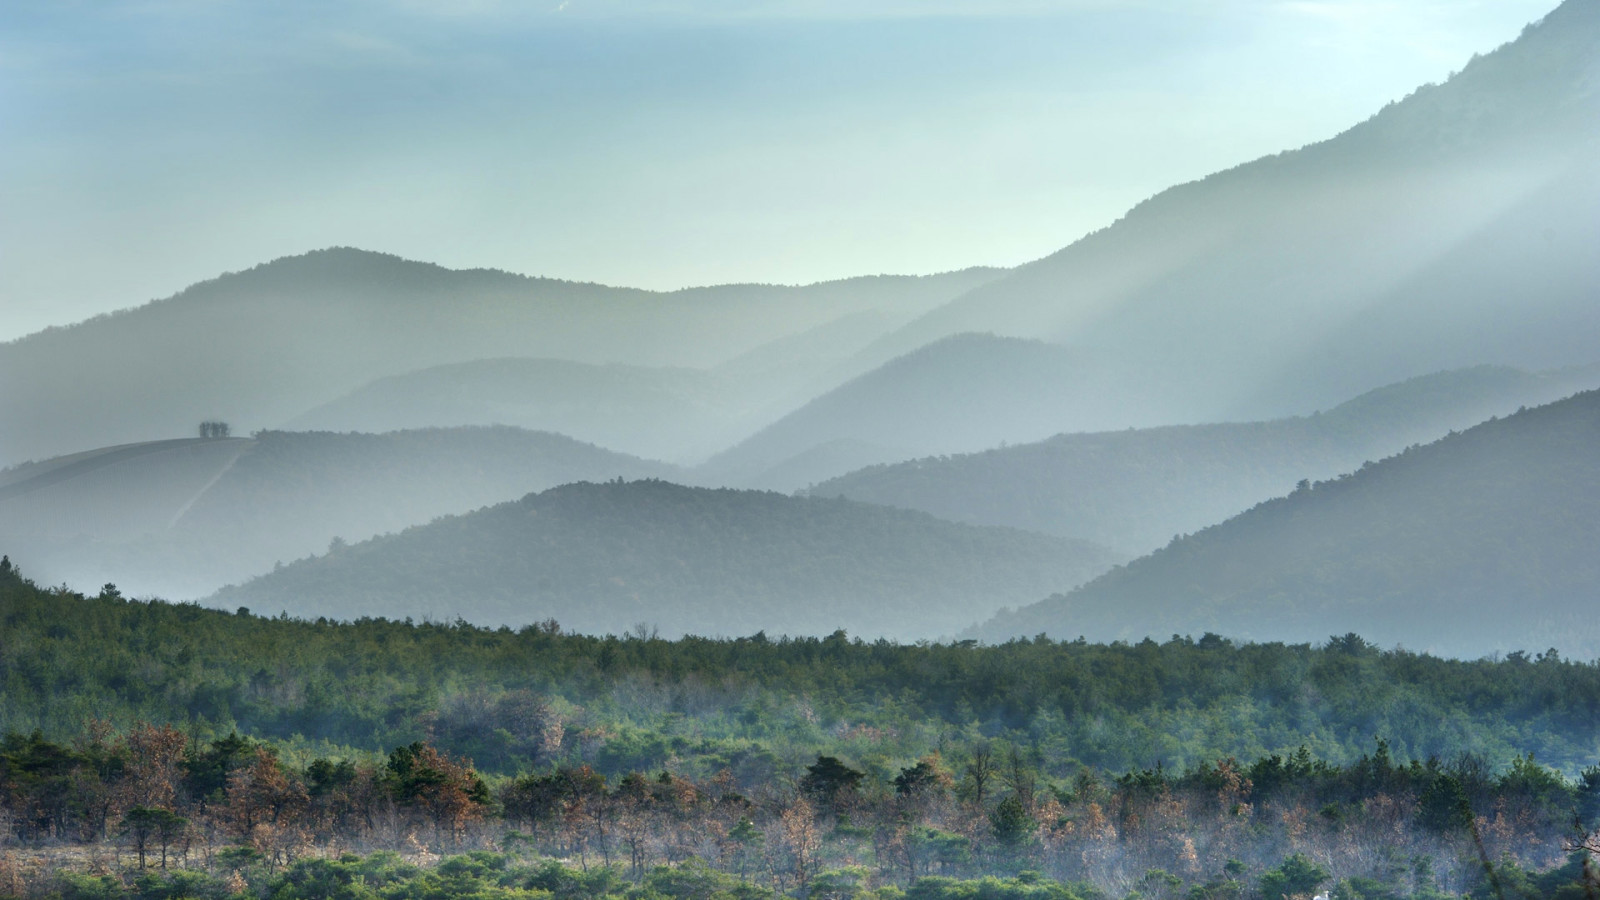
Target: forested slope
{"type": "Point", "coordinates": [1486, 540]}
{"type": "Point", "coordinates": [607, 557]}
{"type": "Point", "coordinates": [187, 517]}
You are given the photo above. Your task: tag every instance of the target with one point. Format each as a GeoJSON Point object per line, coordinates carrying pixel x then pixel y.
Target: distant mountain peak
{"type": "Point", "coordinates": [1454, 227]}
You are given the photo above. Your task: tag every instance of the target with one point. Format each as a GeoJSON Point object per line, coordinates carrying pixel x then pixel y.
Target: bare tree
{"type": "Point", "coordinates": [980, 772]}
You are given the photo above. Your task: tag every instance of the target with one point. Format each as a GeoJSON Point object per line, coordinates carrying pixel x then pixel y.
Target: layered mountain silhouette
{"type": "Point", "coordinates": [181, 518]}
{"type": "Point", "coordinates": [668, 413]}
{"type": "Point", "coordinates": [260, 347]}
{"type": "Point", "coordinates": [1483, 541]}
{"type": "Point", "coordinates": [962, 393]}
{"type": "Point", "coordinates": [1135, 489]}
{"type": "Point", "coordinates": [607, 557]}
{"type": "Point", "coordinates": [1454, 228]}
{"type": "Point", "coordinates": [1457, 227]}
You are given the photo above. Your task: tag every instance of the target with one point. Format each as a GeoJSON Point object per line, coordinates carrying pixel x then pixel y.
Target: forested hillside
{"type": "Point", "coordinates": [1135, 489]}
{"type": "Point", "coordinates": [607, 557]}
{"type": "Point", "coordinates": [1483, 541]}
{"type": "Point", "coordinates": [182, 518]}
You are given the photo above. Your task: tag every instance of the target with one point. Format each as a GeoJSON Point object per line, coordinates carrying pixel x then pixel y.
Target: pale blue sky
{"type": "Point", "coordinates": [657, 143]}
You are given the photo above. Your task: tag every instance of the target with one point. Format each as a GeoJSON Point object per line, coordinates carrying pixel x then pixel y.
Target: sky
{"type": "Point", "coordinates": [149, 144]}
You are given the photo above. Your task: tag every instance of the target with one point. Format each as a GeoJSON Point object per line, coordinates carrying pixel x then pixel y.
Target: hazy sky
{"type": "Point", "coordinates": [658, 143]}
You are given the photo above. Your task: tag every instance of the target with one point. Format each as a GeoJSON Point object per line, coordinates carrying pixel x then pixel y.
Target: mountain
{"type": "Point", "coordinates": [257, 348]}
{"type": "Point", "coordinates": [962, 393]}
{"type": "Point", "coordinates": [1486, 540]}
{"type": "Point", "coordinates": [607, 557]}
{"type": "Point", "coordinates": [674, 413]}
{"type": "Point", "coordinates": [664, 413]}
{"type": "Point", "coordinates": [1135, 489]}
{"type": "Point", "coordinates": [180, 518]}
{"type": "Point", "coordinates": [1457, 227]}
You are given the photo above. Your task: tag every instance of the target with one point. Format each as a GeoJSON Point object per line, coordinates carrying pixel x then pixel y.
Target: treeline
{"type": "Point", "coordinates": [756, 704]}
{"type": "Point", "coordinates": [1275, 827]}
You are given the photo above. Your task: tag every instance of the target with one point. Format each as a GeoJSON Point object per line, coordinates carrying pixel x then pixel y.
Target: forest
{"type": "Point", "coordinates": [188, 752]}
{"type": "Point", "coordinates": [1155, 535]}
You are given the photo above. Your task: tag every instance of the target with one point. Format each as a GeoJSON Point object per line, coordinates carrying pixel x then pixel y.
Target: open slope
{"type": "Point", "coordinates": [1484, 540]}
{"type": "Point", "coordinates": [1135, 489]}
{"type": "Point", "coordinates": [257, 348]}
{"type": "Point", "coordinates": [1458, 227]}
{"type": "Point", "coordinates": [606, 557]}
{"type": "Point", "coordinates": [181, 518]}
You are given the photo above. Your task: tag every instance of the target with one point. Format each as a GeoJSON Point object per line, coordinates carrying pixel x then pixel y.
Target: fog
{"type": "Point", "coordinates": [151, 145]}
{"type": "Point", "coordinates": [369, 392]}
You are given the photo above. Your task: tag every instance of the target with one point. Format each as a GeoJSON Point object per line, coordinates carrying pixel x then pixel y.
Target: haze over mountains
{"type": "Point", "coordinates": [1135, 489]}
{"type": "Point", "coordinates": [181, 518]}
{"type": "Point", "coordinates": [1483, 541]}
{"type": "Point", "coordinates": [965, 392]}
{"type": "Point", "coordinates": [1439, 262]}
{"type": "Point", "coordinates": [667, 412]}
{"type": "Point", "coordinates": [258, 348]}
{"type": "Point", "coordinates": [605, 557]}
{"type": "Point", "coordinates": [1458, 227]}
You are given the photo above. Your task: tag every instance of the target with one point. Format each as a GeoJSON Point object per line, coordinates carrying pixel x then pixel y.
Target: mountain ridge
{"type": "Point", "coordinates": [1483, 540]}
{"type": "Point", "coordinates": [1134, 489]}
{"type": "Point", "coordinates": [260, 347]}
{"type": "Point", "coordinates": [606, 557]}
{"type": "Point", "coordinates": [180, 518]}
{"type": "Point", "coordinates": [1225, 297]}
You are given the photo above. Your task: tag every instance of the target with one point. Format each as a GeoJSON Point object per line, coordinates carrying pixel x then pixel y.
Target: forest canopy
{"type": "Point", "coordinates": [639, 700]}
